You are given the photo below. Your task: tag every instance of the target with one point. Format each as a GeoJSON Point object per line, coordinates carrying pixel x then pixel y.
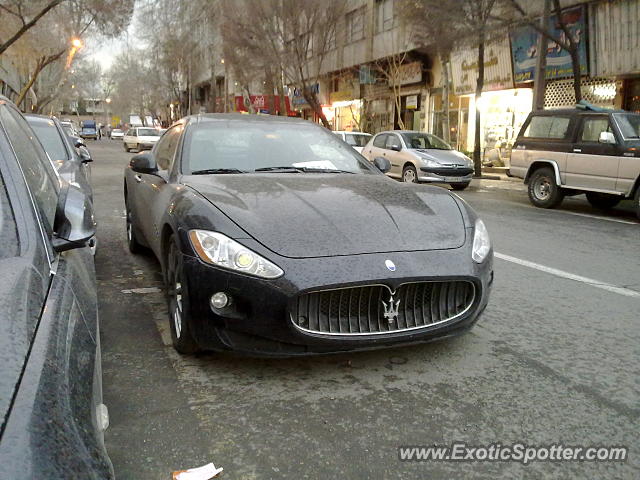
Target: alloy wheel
{"type": "Point", "coordinates": [409, 176]}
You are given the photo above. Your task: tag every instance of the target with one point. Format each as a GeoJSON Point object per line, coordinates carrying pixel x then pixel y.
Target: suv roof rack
{"type": "Point", "coordinates": [584, 105]}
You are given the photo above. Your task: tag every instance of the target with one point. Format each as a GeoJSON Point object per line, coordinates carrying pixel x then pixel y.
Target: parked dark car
{"type": "Point", "coordinates": [51, 407]}
{"type": "Point", "coordinates": [72, 160]}
{"type": "Point", "coordinates": [277, 238]}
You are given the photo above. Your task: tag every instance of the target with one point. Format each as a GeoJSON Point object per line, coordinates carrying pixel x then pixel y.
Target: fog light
{"type": "Point", "coordinates": [219, 300]}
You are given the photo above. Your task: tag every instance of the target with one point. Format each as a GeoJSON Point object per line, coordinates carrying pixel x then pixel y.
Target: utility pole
{"type": "Point", "coordinates": [540, 79]}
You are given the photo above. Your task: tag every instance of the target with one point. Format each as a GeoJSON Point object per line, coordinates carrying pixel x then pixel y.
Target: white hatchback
{"type": "Point", "coordinates": [356, 139]}
{"type": "Point", "coordinates": [141, 138]}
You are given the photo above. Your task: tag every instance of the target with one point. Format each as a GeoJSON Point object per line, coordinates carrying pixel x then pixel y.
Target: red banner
{"type": "Point", "coordinates": [261, 103]}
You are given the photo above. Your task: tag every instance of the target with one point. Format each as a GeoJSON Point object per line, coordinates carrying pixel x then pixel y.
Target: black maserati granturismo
{"type": "Point", "coordinates": [277, 238]}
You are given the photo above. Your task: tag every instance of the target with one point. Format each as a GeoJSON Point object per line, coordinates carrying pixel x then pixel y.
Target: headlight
{"type": "Point", "coordinates": [430, 163]}
{"type": "Point", "coordinates": [469, 161]}
{"type": "Point", "coordinates": [481, 243]}
{"type": "Point", "coordinates": [218, 249]}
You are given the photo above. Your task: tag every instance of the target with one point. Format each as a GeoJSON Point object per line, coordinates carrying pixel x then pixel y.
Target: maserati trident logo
{"type": "Point", "coordinates": [391, 308]}
{"type": "Point", "coordinates": [390, 265]}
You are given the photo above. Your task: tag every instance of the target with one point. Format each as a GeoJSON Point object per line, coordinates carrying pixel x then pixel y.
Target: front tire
{"type": "Point", "coordinates": [459, 186]}
{"type": "Point", "coordinates": [409, 174]}
{"type": "Point", "coordinates": [543, 190]}
{"type": "Point", "coordinates": [132, 241]}
{"type": "Point", "coordinates": [636, 202]}
{"type": "Point", "coordinates": [178, 301]}
{"type": "Point", "coordinates": [126, 148]}
{"type": "Point", "coordinates": [602, 200]}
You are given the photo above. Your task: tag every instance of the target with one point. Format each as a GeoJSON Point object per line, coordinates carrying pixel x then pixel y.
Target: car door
{"type": "Point", "coordinates": [376, 147]}
{"type": "Point", "coordinates": [392, 143]}
{"type": "Point", "coordinates": [50, 429]}
{"type": "Point", "coordinates": [130, 138]}
{"type": "Point", "coordinates": [150, 186]}
{"type": "Point", "coordinates": [592, 165]}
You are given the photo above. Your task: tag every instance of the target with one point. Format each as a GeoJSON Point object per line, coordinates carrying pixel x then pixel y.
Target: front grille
{"type": "Point", "coordinates": [361, 310]}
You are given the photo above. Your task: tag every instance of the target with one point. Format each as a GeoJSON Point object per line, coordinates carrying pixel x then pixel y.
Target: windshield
{"type": "Point", "coordinates": [629, 124]}
{"type": "Point", "coordinates": [424, 140]}
{"type": "Point", "coordinates": [245, 147]}
{"type": "Point", "coordinates": [356, 139]}
{"type": "Point", "coordinates": [50, 139]}
{"type": "Point", "coordinates": [148, 132]}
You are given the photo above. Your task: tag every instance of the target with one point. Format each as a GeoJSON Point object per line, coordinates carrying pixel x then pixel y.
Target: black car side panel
{"type": "Point", "coordinates": [51, 432]}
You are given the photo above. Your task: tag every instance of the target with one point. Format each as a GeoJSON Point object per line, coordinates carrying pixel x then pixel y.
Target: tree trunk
{"type": "Point", "coordinates": [445, 99]}
{"type": "Point", "coordinates": [26, 26]}
{"type": "Point", "coordinates": [477, 161]}
{"type": "Point", "coordinates": [313, 102]}
{"type": "Point", "coordinates": [29, 84]}
{"type": "Point", "coordinates": [280, 90]}
{"type": "Point", "coordinates": [577, 78]}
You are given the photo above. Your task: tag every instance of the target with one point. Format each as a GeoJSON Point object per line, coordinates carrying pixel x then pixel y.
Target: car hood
{"type": "Point", "coordinates": [445, 157]}
{"type": "Point", "coordinates": [315, 215]}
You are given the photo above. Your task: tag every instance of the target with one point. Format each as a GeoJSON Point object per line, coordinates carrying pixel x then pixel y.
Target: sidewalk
{"type": "Point", "coordinates": [497, 179]}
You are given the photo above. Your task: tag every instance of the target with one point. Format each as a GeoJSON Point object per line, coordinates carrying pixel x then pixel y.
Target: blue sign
{"type": "Point", "coordinates": [366, 75]}
{"type": "Point", "coordinates": [524, 45]}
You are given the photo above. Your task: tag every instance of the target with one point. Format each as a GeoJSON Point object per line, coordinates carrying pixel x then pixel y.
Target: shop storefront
{"type": "Point", "coordinates": [503, 108]}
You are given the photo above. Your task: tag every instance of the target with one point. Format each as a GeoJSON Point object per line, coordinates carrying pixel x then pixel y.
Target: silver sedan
{"type": "Point", "coordinates": [421, 157]}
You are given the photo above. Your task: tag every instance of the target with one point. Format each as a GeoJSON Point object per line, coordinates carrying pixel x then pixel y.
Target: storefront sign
{"type": "Point", "coordinates": [497, 68]}
{"type": "Point", "coordinates": [524, 42]}
{"type": "Point", "coordinates": [412, 102]}
{"type": "Point", "coordinates": [409, 73]}
{"type": "Point", "coordinates": [260, 103]}
{"type": "Point", "coordinates": [298, 99]}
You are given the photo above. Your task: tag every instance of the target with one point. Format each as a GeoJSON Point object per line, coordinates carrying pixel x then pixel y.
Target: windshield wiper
{"type": "Point", "coordinates": [287, 169]}
{"type": "Point", "coordinates": [209, 171]}
{"type": "Point", "coordinates": [324, 170]}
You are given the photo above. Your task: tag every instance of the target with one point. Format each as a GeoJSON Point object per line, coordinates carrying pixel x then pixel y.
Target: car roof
{"type": "Point", "coordinates": [244, 118]}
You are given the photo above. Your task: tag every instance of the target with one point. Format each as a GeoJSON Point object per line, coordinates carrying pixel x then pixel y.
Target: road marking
{"type": "Point", "coordinates": [561, 273]}
{"type": "Point", "coordinates": [598, 217]}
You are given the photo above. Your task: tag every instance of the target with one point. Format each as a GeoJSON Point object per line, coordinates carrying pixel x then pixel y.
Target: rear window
{"type": "Point", "coordinates": [50, 139]}
{"type": "Point", "coordinates": [356, 140]}
{"type": "Point", "coordinates": [547, 126]}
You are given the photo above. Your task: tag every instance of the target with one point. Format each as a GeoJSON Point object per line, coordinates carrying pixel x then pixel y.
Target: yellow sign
{"type": "Point", "coordinates": [341, 96]}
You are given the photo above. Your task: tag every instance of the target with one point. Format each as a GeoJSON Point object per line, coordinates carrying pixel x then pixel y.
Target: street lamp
{"type": "Point", "coordinates": [77, 43]}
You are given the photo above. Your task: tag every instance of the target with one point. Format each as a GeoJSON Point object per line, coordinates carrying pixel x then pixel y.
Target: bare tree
{"type": "Point", "coordinates": [294, 35]}
{"type": "Point", "coordinates": [26, 15]}
{"type": "Point", "coordinates": [390, 68]}
{"type": "Point", "coordinates": [566, 40]}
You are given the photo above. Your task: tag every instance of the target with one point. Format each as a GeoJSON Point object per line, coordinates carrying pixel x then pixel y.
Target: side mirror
{"type": "Point", "coordinates": [74, 225]}
{"type": "Point", "coordinates": [396, 148]}
{"type": "Point", "coordinates": [382, 164]}
{"type": "Point", "coordinates": [144, 163]}
{"type": "Point", "coordinates": [85, 156]}
{"type": "Point", "coordinates": [77, 142]}
{"type": "Point", "coordinates": [607, 137]}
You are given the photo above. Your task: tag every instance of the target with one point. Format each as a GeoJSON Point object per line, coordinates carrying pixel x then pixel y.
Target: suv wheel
{"type": "Point", "coordinates": [409, 174]}
{"type": "Point", "coordinates": [544, 192]}
{"type": "Point", "coordinates": [636, 202]}
{"type": "Point", "coordinates": [126, 148]}
{"type": "Point", "coordinates": [603, 200]}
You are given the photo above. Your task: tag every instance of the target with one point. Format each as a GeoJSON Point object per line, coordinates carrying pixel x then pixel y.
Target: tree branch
{"type": "Point", "coordinates": [51, 5]}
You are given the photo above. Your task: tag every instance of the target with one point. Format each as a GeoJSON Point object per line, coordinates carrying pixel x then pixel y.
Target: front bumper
{"type": "Point", "coordinates": [259, 321]}
{"type": "Point", "coordinates": [445, 175]}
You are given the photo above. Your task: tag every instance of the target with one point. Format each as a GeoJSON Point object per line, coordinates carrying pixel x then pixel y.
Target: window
{"type": "Point", "coordinates": [247, 146]}
{"type": "Point", "coordinates": [355, 25]}
{"type": "Point", "coordinates": [50, 139]}
{"type": "Point", "coordinates": [148, 132]}
{"type": "Point", "coordinates": [8, 230]}
{"type": "Point", "coordinates": [356, 140]}
{"type": "Point", "coordinates": [38, 171]}
{"type": "Point", "coordinates": [392, 141]}
{"type": "Point", "coordinates": [547, 127]}
{"type": "Point", "coordinates": [424, 141]}
{"type": "Point", "coordinates": [380, 141]}
{"type": "Point", "coordinates": [629, 124]}
{"type": "Point", "coordinates": [592, 127]}
{"type": "Point", "coordinates": [384, 15]}
{"type": "Point", "coordinates": [166, 148]}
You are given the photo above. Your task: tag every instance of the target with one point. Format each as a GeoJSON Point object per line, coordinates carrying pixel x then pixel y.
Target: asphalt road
{"type": "Point", "coordinates": [554, 360]}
